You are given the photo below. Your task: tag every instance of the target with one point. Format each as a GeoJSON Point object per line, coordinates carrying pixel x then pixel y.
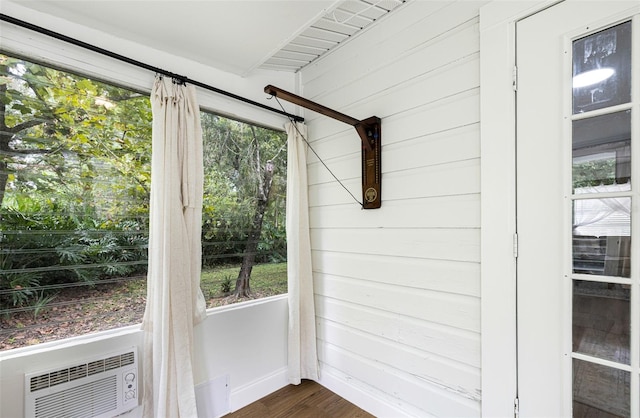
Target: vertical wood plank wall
{"type": "Point", "coordinates": [398, 288]}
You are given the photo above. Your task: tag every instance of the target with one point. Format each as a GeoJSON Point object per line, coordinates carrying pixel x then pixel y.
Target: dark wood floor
{"type": "Point", "coordinates": [306, 400]}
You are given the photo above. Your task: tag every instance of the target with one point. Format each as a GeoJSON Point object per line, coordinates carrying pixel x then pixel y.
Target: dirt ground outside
{"type": "Point", "coordinates": [82, 310]}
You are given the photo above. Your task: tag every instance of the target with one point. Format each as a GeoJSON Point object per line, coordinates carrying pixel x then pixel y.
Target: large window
{"type": "Point", "coordinates": [74, 202]}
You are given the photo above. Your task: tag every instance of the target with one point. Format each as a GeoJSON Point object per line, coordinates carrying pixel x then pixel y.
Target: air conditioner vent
{"type": "Point", "coordinates": [127, 359]}
{"type": "Point", "coordinates": [112, 363]}
{"type": "Point", "coordinates": [103, 386]}
{"type": "Point", "coordinates": [39, 382]}
{"type": "Point", "coordinates": [96, 367]}
{"type": "Point", "coordinates": [77, 372]}
{"type": "Point", "coordinates": [58, 377]}
{"type": "Point", "coordinates": [82, 370]}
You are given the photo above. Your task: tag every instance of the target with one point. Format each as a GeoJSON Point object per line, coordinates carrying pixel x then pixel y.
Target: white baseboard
{"type": "Point", "coordinates": [365, 400]}
{"type": "Point", "coordinates": [259, 388]}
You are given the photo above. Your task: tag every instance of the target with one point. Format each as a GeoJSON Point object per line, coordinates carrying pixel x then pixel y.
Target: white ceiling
{"type": "Point", "coordinates": [237, 36]}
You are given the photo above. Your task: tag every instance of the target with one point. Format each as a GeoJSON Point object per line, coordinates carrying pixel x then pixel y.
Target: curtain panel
{"type": "Point", "coordinates": [303, 358]}
{"type": "Point", "coordinates": [174, 300]}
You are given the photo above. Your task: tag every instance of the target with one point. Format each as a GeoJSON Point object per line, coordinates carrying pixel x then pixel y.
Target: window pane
{"type": "Point", "coordinates": [74, 198]}
{"type": "Point", "coordinates": [243, 217]}
{"type": "Point", "coordinates": [602, 69]}
{"type": "Point", "coordinates": [602, 320]}
{"type": "Point", "coordinates": [602, 153]}
{"type": "Point", "coordinates": [600, 391]}
{"type": "Point", "coordinates": [602, 236]}
{"type": "Point", "coordinates": [74, 205]}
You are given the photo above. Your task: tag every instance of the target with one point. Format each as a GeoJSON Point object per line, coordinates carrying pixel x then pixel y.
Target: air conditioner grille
{"type": "Point", "coordinates": [96, 367]}
{"type": "Point", "coordinates": [112, 363]}
{"type": "Point", "coordinates": [127, 359]}
{"type": "Point", "coordinates": [86, 400]}
{"type": "Point", "coordinates": [57, 377]}
{"type": "Point", "coordinates": [77, 372]}
{"type": "Point", "coordinates": [39, 382]}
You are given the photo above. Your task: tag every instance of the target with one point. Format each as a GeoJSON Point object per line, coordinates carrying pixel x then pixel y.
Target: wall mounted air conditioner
{"type": "Point", "coordinates": [102, 386]}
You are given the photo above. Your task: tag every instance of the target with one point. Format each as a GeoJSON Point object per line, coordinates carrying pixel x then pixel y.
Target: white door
{"type": "Point", "coordinates": [578, 210]}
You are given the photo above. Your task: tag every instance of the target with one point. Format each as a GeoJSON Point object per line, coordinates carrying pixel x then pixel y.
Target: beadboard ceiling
{"type": "Point", "coordinates": [237, 36]}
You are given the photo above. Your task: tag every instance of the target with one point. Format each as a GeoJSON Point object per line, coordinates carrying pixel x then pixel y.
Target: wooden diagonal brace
{"type": "Point", "coordinates": [323, 110]}
{"type": "Point", "coordinates": [370, 132]}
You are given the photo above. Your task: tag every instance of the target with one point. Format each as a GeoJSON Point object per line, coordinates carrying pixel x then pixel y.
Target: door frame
{"type": "Point", "coordinates": [498, 201]}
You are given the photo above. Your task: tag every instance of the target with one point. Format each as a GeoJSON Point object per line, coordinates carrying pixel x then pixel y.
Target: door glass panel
{"type": "Point", "coordinates": [602, 320]}
{"type": "Point", "coordinates": [602, 69]}
{"type": "Point", "coordinates": [602, 153]}
{"type": "Point", "coordinates": [602, 236]}
{"type": "Point", "coordinates": [601, 164]}
{"type": "Point", "coordinates": [600, 391]}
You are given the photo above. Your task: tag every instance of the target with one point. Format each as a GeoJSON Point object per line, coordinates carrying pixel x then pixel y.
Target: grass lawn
{"type": "Point", "coordinates": [218, 283]}
{"type": "Point", "coordinates": [266, 280]}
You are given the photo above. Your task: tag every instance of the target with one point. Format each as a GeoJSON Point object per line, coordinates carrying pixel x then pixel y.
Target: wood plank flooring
{"type": "Point", "coordinates": [306, 400]}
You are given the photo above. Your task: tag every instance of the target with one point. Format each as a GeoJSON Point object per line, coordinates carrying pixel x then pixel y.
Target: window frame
{"type": "Point", "coordinates": [498, 201]}
{"type": "Point", "coordinates": [42, 49]}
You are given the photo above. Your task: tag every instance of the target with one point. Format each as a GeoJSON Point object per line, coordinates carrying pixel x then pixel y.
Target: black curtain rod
{"type": "Point", "coordinates": [157, 70]}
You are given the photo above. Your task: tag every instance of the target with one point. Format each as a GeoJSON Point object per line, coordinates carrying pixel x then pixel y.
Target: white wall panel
{"type": "Point", "coordinates": [450, 179]}
{"type": "Point", "coordinates": [431, 148]}
{"type": "Point", "coordinates": [433, 88]}
{"type": "Point", "coordinates": [440, 180]}
{"type": "Point", "coordinates": [421, 395]}
{"type": "Point", "coordinates": [461, 211]}
{"type": "Point", "coordinates": [453, 111]}
{"type": "Point", "coordinates": [461, 43]}
{"type": "Point", "coordinates": [441, 308]}
{"type": "Point", "coordinates": [437, 244]}
{"type": "Point", "coordinates": [444, 341]}
{"type": "Point", "coordinates": [436, 369]}
{"type": "Point", "coordinates": [418, 273]}
{"type": "Point", "coordinates": [398, 288]}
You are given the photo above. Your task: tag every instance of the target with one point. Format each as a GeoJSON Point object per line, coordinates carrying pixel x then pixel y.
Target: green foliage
{"type": "Point", "coordinates": [51, 248]}
{"type": "Point", "coordinates": [21, 286]}
{"type": "Point", "coordinates": [74, 186]}
{"type": "Point", "coordinates": [273, 243]}
{"type": "Point", "coordinates": [41, 302]}
{"type": "Point", "coordinates": [594, 173]}
{"type": "Point", "coordinates": [225, 286]}
{"type": "Point", "coordinates": [232, 151]}
{"type": "Point", "coordinates": [75, 173]}
{"type": "Point", "coordinates": [81, 141]}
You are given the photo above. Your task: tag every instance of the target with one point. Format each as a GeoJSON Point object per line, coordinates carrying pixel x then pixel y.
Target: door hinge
{"type": "Point", "coordinates": [516, 408]}
{"type": "Point", "coordinates": [515, 78]}
{"type": "Point", "coordinates": [515, 245]}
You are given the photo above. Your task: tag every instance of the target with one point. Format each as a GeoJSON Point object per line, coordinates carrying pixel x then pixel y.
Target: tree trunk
{"type": "Point", "coordinates": [243, 286]}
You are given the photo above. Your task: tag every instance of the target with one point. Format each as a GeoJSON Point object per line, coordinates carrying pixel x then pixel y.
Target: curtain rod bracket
{"type": "Point", "coordinates": [370, 132]}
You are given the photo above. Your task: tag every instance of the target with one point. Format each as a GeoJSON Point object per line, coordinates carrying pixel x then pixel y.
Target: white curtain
{"type": "Point", "coordinates": [302, 354]}
{"type": "Point", "coordinates": [602, 217]}
{"type": "Point", "coordinates": [174, 300]}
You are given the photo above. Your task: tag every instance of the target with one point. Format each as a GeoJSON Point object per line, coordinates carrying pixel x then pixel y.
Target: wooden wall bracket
{"type": "Point", "coordinates": [370, 132]}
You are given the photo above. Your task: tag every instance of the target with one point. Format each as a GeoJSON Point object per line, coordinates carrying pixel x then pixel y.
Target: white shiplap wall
{"type": "Point", "coordinates": [398, 288]}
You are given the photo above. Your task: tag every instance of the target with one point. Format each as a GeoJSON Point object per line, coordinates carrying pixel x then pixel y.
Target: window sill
{"type": "Point", "coordinates": [122, 331]}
